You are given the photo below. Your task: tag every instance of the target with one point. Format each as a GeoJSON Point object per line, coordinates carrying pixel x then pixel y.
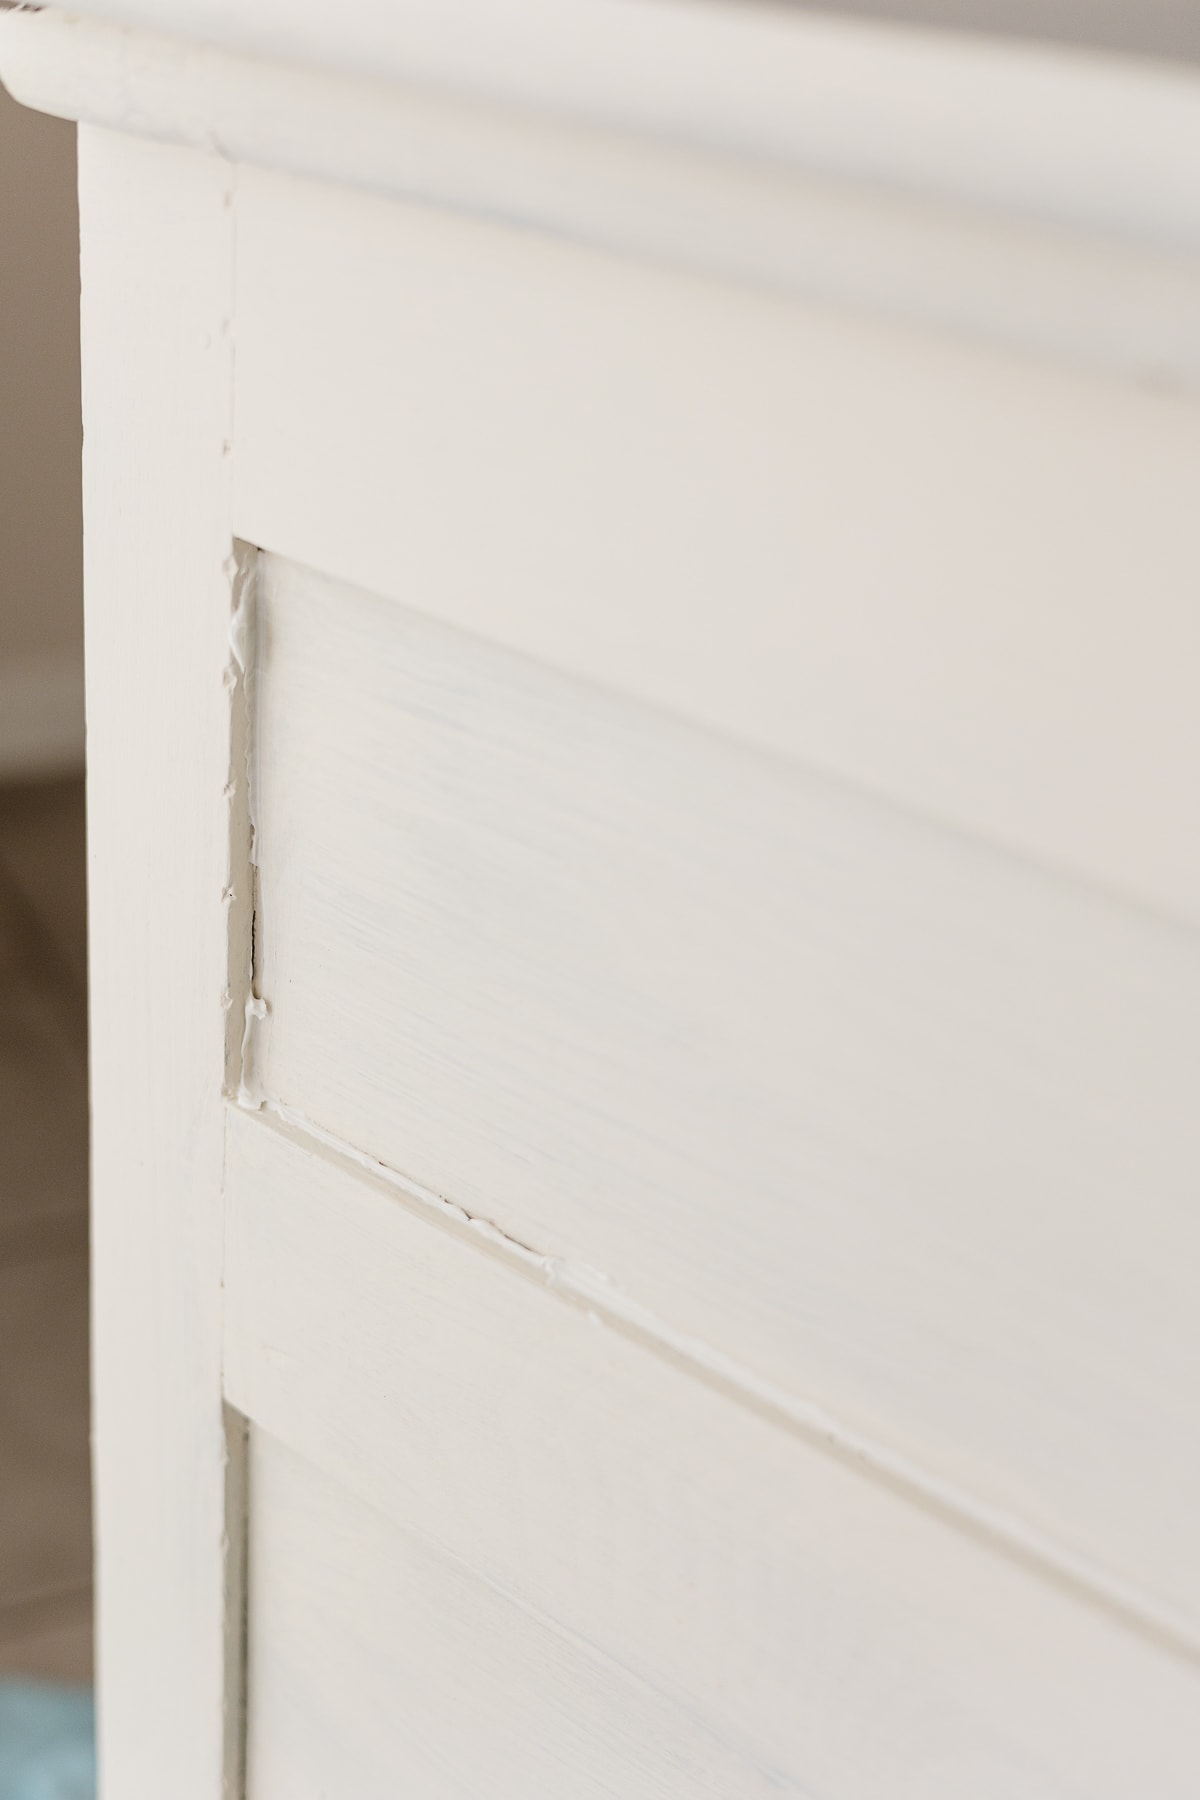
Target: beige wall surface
{"type": "Point", "coordinates": [40, 566]}
{"type": "Point", "coordinates": [41, 615]}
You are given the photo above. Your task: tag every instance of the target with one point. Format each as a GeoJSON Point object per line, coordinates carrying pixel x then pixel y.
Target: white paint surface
{"type": "Point", "coordinates": [817, 1623]}
{"type": "Point", "coordinates": [1088, 139]}
{"type": "Point", "coordinates": [723, 867]}
{"type": "Point", "coordinates": [382, 1666]}
{"type": "Point", "coordinates": [902, 1124]}
{"type": "Point", "coordinates": [157, 248]}
{"type": "Point", "coordinates": [1088, 295]}
{"type": "Point", "coordinates": [962, 578]}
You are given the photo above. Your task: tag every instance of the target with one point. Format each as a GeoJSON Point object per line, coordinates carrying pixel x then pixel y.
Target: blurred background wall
{"type": "Point", "coordinates": [41, 606]}
{"type": "Point", "coordinates": [45, 1529]}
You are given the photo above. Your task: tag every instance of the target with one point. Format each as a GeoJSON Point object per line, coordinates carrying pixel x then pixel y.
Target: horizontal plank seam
{"type": "Point", "coordinates": [601, 1298]}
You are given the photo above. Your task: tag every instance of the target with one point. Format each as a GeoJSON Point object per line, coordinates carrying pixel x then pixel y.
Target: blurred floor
{"type": "Point", "coordinates": [45, 1524]}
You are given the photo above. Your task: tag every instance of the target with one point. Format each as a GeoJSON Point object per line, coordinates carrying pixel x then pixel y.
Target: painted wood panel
{"type": "Point", "coordinates": [901, 1124]}
{"type": "Point", "coordinates": [812, 1618]}
{"type": "Point", "coordinates": [165, 937]}
{"type": "Point", "coordinates": [960, 577]}
{"type": "Point", "coordinates": [1092, 139]}
{"type": "Point", "coordinates": [805, 1340]}
{"type": "Point", "coordinates": [1122, 299]}
{"type": "Point", "coordinates": [380, 1666]}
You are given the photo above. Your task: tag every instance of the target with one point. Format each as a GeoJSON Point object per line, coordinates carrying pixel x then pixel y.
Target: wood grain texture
{"type": "Point", "coordinates": [961, 578]}
{"type": "Point", "coordinates": [382, 1666]}
{"type": "Point", "coordinates": [817, 1623]}
{"type": "Point", "coordinates": [157, 247]}
{"type": "Point", "coordinates": [901, 1124]}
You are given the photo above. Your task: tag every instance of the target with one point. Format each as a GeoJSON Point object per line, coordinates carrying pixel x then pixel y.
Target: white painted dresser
{"type": "Point", "coordinates": [644, 658]}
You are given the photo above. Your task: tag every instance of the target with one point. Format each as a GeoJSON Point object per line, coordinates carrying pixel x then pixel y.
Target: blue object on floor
{"type": "Point", "coordinates": [47, 1742]}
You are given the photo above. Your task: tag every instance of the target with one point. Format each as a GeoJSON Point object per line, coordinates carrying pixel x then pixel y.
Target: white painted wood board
{"type": "Point", "coordinates": [708, 1031]}
{"type": "Point", "coordinates": [903, 1125]}
{"type": "Point", "coordinates": [821, 1624]}
{"type": "Point", "coordinates": [960, 577]}
{"type": "Point", "coordinates": [157, 246]}
{"type": "Point", "coordinates": [380, 1665]}
{"type": "Point", "coordinates": [1084, 138]}
{"type": "Point", "coordinates": [1067, 289]}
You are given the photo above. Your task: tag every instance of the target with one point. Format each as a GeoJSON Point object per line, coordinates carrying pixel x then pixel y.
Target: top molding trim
{"type": "Point", "coordinates": [1039, 200]}
{"type": "Point", "coordinates": [1075, 137]}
